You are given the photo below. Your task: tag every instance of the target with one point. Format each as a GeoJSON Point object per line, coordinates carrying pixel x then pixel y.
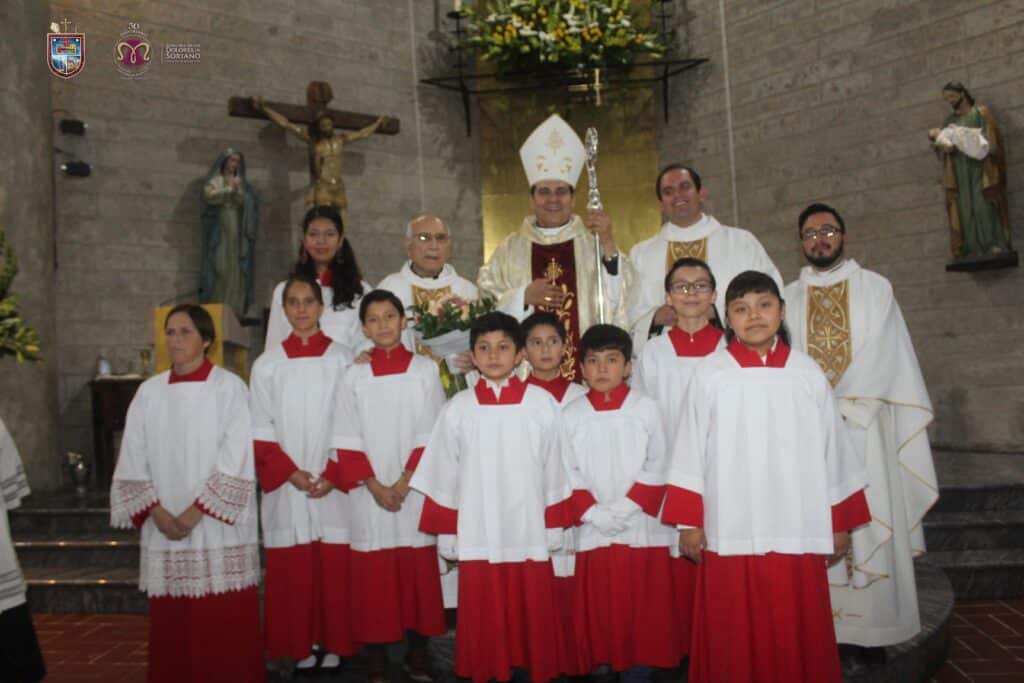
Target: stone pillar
{"type": "Point", "coordinates": [28, 392]}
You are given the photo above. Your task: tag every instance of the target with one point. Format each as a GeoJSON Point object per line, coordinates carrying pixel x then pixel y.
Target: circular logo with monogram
{"type": "Point", "coordinates": [133, 53]}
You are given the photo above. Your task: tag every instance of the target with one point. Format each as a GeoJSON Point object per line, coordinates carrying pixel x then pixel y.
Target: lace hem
{"type": "Point", "coordinates": [14, 487]}
{"type": "Point", "coordinates": [225, 497]}
{"type": "Point", "coordinates": [127, 499]}
{"type": "Point", "coordinates": [195, 573]}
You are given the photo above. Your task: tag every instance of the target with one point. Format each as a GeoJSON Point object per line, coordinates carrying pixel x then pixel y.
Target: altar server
{"type": "Point", "coordinates": [498, 498]}
{"type": "Point", "coordinates": [185, 476]}
{"type": "Point", "coordinates": [623, 613]}
{"type": "Point", "coordinates": [305, 520]}
{"type": "Point", "coordinates": [765, 483]}
{"type": "Point", "coordinates": [384, 414]}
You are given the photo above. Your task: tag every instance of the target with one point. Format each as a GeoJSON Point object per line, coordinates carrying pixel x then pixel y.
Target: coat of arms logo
{"type": "Point", "coordinates": [65, 51]}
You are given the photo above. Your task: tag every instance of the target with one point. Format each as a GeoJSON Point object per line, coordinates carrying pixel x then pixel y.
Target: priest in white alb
{"type": "Point", "coordinates": [847, 320]}
{"type": "Point", "coordinates": [549, 263]}
{"type": "Point", "coordinates": [688, 231]}
{"type": "Point", "coordinates": [427, 277]}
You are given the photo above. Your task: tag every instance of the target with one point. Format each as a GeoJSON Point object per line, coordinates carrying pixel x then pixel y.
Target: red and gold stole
{"type": "Point", "coordinates": [557, 264]}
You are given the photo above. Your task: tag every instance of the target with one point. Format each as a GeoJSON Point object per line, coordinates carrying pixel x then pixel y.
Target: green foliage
{"type": "Point", "coordinates": [527, 34]}
{"type": "Point", "coordinates": [448, 314]}
{"type": "Point", "coordinates": [15, 338]}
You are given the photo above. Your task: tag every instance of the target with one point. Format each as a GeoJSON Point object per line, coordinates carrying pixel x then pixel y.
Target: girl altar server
{"type": "Point", "coordinates": [384, 413]}
{"type": "Point", "coordinates": [305, 520]}
{"type": "Point", "coordinates": [765, 486]}
{"type": "Point", "coordinates": [185, 476]}
{"type": "Point", "coordinates": [326, 255]}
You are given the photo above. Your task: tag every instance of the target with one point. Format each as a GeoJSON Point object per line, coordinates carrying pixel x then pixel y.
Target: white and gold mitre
{"type": "Point", "coordinates": [553, 152]}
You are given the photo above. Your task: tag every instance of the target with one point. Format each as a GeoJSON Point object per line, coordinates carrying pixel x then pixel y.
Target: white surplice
{"type": "Point", "coordinates": [885, 402]}
{"type": "Point", "coordinates": [190, 442]}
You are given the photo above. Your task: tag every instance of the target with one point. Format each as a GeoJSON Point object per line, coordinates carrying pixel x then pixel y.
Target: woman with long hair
{"type": "Point", "coordinates": [326, 255]}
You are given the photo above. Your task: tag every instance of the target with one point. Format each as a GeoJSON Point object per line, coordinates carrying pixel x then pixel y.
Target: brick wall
{"type": "Point", "coordinates": [128, 236]}
{"type": "Point", "coordinates": [831, 101]}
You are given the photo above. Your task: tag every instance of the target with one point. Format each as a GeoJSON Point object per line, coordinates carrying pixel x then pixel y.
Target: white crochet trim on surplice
{"type": "Point", "coordinates": [226, 497]}
{"type": "Point", "coordinates": [127, 499]}
{"type": "Point", "coordinates": [195, 573]}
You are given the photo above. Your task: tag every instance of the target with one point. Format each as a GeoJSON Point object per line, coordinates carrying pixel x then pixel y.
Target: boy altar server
{"type": "Point", "coordinates": [499, 499]}
{"type": "Point", "coordinates": [616, 458]}
{"type": "Point", "coordinates": [305, 521]}
{"type": "Point", "coordinates": [395, 577]}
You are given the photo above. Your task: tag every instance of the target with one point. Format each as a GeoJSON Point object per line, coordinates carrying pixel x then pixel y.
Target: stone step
{"type": "Point", "coordinates": [990, 574]}
{"type": "Point", "coordinates": [107, 551]}
{"type": "Point", "coordinates": [58, 522]}
{"type": "Point", "coordinates": [979, 481]}
{"type": "Point", "coordinates": [85, 590]}
{"type": "Point", "coordinates": [974, 530]}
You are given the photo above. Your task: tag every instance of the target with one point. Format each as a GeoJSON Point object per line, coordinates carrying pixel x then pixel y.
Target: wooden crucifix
{"type": "Point", "coordinates": [315, 125]}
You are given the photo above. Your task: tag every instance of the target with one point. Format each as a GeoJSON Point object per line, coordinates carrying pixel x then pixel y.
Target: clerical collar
{"type": "Point", "coordinates": [831, 269]}
{"type": "Point", "coordinates": [556, 387]}
{"type": "Point", "coordinates": [749, 358]}
{"type": "Point", "coordinates": [611, 400]}
{"type": "Point", "coordinates": [700, 343]}
{"type": "Point", "coordinates": [507, 392]}
{"type": "Point", "coordinates": [314, 347]}
{"type": "Point", "coordinates": [825, 278]}
{"type": "Point", "coordinates": [393, 362]}
{"type": "Point", "coordinates": [198, 375]}
{"type": "Point", "coordinates": [552, 230]}
{"type": "Point", "coordinates": [698, 231]}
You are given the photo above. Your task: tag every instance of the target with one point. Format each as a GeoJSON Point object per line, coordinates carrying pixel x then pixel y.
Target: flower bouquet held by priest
{"type": "Point", "coordinates": [548, 264]}
{"type": "Point", "coordinates": [442, 326]}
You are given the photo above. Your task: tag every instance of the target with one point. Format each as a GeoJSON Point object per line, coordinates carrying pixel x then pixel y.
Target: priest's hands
{"type": "Point", "coordinates": [841, 542]}
{"type": "Point", "coordinates": [448, 547]}
{"type": "Point", "coordinates": [541, 292]}
{"type": "Point", "coordinates": [665, 316]}
{"type": "Point", "coordinates": [600, 224]}
{"type": "Point", "coordinates": [463, 361]}
{"type": "Point", "coordinates": [168, 524]}
{"type": "Point", "coordinates": [385, 496]}
{"type": "Point", "coordinates": [692, 543]}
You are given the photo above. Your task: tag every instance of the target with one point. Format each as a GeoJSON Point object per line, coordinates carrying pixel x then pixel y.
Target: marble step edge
{"type": "Point", "coordinates": [74, 544]}
{"type": "Point", "coordinates": [966, 560]}
{"type": "Point", "coordinates": [973, 518]}
{"type": "Point", "coordinates": [83, 583]}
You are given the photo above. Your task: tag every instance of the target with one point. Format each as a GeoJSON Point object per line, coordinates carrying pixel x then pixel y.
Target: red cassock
{"type": "Point", "coordinates": [308, 577]}
{"type": "Point", "coordinates": [762, 464]}
{"type": "Point", "coordinates": [493, 475]}
{"type": "Point", "coordinates": [384, 413]}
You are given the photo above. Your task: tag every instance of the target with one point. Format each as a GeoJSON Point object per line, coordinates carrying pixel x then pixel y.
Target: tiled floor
{"type": "Point", "coordinates": [987, 647]}
{"type": "Point", "coordinates": [987, 643]}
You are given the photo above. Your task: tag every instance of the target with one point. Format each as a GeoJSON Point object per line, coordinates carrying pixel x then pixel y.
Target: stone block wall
{"type": "Point", "coordinates": [830, 101]}
{"type": "Point", "coordinates": [129, 235]}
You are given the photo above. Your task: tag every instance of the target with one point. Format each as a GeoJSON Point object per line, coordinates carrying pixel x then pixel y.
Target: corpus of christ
{"type": "Point", "coordinates": [535, 340]}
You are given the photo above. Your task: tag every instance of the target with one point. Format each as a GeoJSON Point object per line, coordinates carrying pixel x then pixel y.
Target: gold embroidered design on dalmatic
{"type": "Point", "coordinates": [423, 298]}
{"type": "Point", "coordinates": [564, 314]}
{"type": "Point", "coordinates": [828, 329]}
{"type": "Point", "coordinates": [678, 250]}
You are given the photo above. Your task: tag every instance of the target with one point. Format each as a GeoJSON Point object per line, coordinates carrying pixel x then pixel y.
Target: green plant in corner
{"type": "Point", "coordinates": [15, 338]}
